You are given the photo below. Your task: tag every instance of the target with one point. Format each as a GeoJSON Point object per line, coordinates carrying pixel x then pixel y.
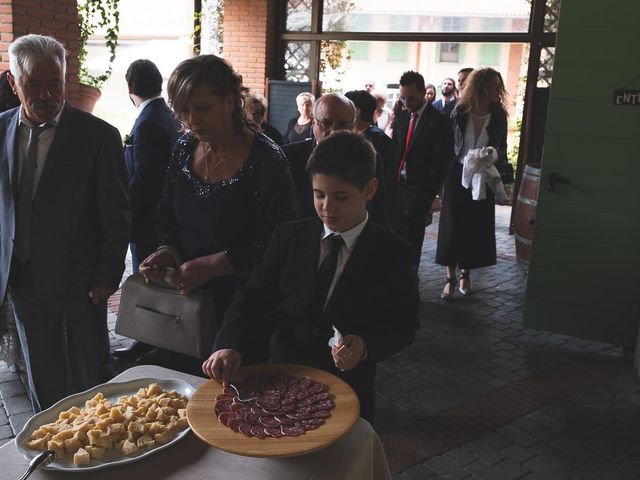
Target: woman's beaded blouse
{"type": "Point", "coordinates": [266, 178]}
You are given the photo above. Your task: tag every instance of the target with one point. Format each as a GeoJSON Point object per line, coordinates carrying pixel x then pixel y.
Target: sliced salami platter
{"type": "Point", "coordinates": [275, 410]}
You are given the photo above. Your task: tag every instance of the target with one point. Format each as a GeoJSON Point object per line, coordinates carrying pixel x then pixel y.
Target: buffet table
{"type": "Point", "coordinates": [357, 455]}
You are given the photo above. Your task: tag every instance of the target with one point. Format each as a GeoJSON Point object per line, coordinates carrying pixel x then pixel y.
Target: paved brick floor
{"type": "Point", "coordinates": [478, 396]}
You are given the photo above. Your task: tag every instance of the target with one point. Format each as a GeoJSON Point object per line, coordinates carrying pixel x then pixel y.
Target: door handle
{"type": "Point", "coordinates": [553, 179]}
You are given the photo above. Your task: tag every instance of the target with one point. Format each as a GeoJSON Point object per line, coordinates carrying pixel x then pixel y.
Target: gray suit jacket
{"type": "Point", "coordinates": [80, 214]}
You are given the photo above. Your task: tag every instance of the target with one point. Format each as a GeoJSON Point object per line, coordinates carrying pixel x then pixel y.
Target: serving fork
{"type": "Point", "coordinates": [41, 461]}
{"type": "Point", "coordinates": [243, 400]}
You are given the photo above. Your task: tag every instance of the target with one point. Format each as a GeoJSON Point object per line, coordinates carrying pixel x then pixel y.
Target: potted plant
{"type": "Point", "coordinates": [94, 15]}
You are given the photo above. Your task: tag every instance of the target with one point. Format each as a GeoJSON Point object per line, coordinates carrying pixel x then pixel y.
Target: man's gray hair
{"type": "Point", "coordinates": [26, 51]}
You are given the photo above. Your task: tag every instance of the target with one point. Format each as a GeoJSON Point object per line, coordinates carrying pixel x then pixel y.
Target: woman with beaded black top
{"type": "Point", "coordinates": [466, 233]}
{"type": "Point", "coordinates": [227, 188]}
{"type": "Point", "coordinates": [299, 128]}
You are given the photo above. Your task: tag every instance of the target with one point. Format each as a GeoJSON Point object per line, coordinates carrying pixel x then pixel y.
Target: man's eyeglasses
{"type": "Point", "coordinates": [404, 98]}
{"type": "Point", "coordinates": [330, 124]}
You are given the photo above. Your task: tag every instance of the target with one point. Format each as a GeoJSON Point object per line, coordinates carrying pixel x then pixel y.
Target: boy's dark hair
{"type": "Point", "coordinates": [144, 79]}
{"type": "Point", "coordinates": [412, 78]}
{"type": "Point", "coordinates": [347, 155]}
{"type": "Point", "coordinates": [365, 102]}
{"type": "Point", "coordinates": [466, 70]}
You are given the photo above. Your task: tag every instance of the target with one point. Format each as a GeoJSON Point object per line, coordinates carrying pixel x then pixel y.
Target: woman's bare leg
{"type": "Point", "coordinates": [465, 281]}
{"type": "Point", "coordinates": [450, 286]}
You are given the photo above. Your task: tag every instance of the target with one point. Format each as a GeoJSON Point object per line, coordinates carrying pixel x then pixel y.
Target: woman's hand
{"type": "Point", "coordinates": [193, 274]}
{"type": "Point", "coordinates": [222, 365]}
{"type": "Point", "coordinates": [153, 267]}
{"type": "Point", "coordinates": [349, 352]}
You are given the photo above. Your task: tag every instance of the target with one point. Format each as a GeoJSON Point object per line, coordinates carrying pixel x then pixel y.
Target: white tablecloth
{"type": "Point", "coordinates": [357, 455]}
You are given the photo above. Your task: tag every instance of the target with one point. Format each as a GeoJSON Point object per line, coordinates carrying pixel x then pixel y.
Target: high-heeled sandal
{"type": "Point", "coordinates": [447, 296]}
{"type": "Point", "coordinates": [465, 276]}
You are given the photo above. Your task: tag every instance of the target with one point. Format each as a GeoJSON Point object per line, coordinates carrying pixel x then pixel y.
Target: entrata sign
{"type": "Point", "coordinates": [626, 97]}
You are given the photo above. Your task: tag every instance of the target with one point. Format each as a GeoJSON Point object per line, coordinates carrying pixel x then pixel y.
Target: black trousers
{"type": "Point", "coordinates": [415, 207]}
{"type": "Point", "coordinates": [53, 342]}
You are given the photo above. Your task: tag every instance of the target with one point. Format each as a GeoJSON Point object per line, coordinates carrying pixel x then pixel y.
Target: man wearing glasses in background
{"type": "Point", "coordinates": [424, 138]}
{"type": "Point", "coordinates": [331, 113]}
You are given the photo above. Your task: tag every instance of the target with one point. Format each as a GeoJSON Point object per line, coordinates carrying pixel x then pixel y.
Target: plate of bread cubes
{"type": "Point", "coordinates": [110, 424]}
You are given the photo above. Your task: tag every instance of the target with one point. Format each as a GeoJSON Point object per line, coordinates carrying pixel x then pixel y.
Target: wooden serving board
{"type": "Point", "coordinates": [205, 424]}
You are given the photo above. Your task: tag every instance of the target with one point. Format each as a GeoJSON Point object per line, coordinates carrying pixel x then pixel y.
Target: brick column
{"type": "Point", "coordinates": [249, 40]}
{"type": "Point", "coordinates": [57, 18]}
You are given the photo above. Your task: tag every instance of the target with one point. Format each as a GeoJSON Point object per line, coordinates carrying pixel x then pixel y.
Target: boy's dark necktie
{"type": "Point", "coordinates": [325, 275]}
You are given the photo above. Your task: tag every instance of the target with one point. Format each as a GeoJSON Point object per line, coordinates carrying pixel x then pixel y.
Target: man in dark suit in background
{"type": "Point", "coordinates": [147, 151]}
{"type": "Point", "coordinates": [331, 113]}
{"type": "Point", "coordinates": [386, 149]}
{"type": "Point", "coordinates": [448, 100]}
{"type": "Point", "coordinates": [424, 138]}
{"type": "Point", "coordinates": [64, 224]}
{"type": "Point", "coordinates": [297, 154]}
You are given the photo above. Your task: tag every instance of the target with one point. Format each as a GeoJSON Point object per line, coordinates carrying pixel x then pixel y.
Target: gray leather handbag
{"type": "Point", "coordinates": [160, 316]}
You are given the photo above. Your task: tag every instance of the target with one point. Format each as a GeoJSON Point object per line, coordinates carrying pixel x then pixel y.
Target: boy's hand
{"type": "Point", "coordinates": [349, 352]}
{"type": "Point", "coordinates": [222, 365]}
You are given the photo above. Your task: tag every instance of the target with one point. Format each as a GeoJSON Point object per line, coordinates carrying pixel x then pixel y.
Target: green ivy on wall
{"type": "Point", "coordinates": [94, 14]}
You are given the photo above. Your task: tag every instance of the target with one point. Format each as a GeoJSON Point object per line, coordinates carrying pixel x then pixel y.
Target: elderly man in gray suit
{"type": "Point", "coordinates": [64, 223]}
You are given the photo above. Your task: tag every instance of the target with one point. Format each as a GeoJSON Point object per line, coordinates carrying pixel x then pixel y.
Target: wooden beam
{"type": "Point", "coordinates": [411, 37]}
{"type": "Point", "coordinates": [197, 26]}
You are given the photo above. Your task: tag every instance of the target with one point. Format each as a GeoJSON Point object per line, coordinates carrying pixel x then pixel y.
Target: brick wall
{"type": "Point", "coordinates": [249, 35]}
{"type": "Point", "coordinates": [6, 31]}
{"type": "Point", "coordinates": [57, 18]}
{"type": "Point", "coordinates": [249, 39]}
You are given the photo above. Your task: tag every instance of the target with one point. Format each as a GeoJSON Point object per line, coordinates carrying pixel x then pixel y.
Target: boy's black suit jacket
{"type": "Point", "coordinates": [376, 297]}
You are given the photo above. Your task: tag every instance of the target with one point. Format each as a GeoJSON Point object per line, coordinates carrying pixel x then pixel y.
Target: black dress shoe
{"type": "Point", "coordinates": [134, 351]}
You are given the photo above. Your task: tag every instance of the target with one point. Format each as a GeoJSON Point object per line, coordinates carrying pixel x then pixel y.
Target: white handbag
{"type": "Point", "coordinates": [162, 317]}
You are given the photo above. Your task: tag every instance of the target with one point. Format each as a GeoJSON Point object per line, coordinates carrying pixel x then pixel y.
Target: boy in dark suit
{"type": "Point", "coordinates": [340, 270]}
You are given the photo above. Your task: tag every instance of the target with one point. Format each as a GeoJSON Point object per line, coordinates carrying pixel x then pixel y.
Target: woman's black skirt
{"type": "Point", "coordinates": [466, 233]}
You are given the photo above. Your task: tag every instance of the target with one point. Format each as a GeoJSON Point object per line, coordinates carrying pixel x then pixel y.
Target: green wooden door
{"type": "Point", "coordinates": [584, 275]}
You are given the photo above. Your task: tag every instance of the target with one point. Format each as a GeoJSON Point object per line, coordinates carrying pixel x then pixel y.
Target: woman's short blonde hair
{"type": "Point", "coordinates": [305, 96]}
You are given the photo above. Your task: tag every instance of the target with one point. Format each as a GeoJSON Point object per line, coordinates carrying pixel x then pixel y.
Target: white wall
{"type": "Point", "coordinates": [158, 30]}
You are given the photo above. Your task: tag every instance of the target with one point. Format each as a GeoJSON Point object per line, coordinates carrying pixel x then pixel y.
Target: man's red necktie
{"type": "Point", "coordinates": [412, 124]}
